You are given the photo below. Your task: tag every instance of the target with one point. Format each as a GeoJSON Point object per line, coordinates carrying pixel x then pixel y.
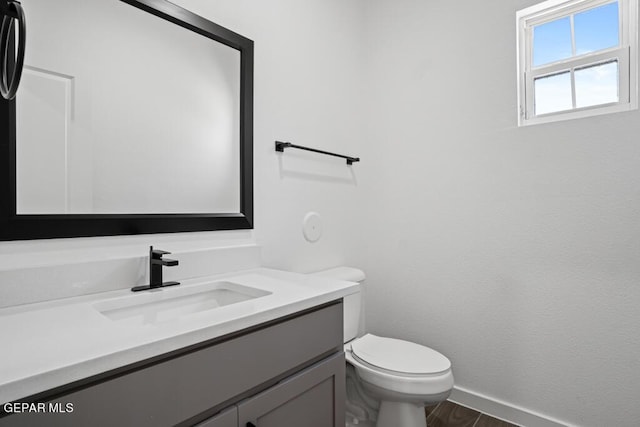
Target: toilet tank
{"type": "Point", "coordinates": [352, 305]}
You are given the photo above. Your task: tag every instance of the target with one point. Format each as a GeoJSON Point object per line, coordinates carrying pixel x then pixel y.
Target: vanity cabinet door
{"type": "Point", "coordinates": [312, 398]}
{"type": "Point", "coordinates": [226, 418]}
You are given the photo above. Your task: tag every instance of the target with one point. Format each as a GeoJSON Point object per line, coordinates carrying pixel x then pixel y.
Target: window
{"type": "Point", "coordinates": [576, 58]}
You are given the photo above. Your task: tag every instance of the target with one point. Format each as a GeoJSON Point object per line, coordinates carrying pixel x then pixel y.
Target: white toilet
{"type": "Point", "coordinates": [389, 381]}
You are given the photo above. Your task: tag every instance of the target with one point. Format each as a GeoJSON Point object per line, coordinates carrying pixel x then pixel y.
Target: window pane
{"type": "Point", "coordinates": [552, 41]}
{"type": "Point", "coordinates": [553, 93]}
{"type": "Point", "coordinates": [597, 85]}
{"type": "Point", "coordinates": [596, 28]}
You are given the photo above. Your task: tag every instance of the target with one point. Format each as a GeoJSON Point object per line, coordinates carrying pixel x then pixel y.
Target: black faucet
{"type": "Point", "coordinates": [156, 262]}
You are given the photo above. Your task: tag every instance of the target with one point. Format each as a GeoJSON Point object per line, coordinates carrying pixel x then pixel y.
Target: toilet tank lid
{"type": "Point", "coordinates": [349, 274]}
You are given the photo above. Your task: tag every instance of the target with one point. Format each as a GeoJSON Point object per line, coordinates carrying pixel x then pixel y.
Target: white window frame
{"type": "Point", "coordinates": [626, 54]}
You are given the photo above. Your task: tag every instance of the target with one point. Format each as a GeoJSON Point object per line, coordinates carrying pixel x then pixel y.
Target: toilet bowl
{"type": "Point", "coordinates": [403, 376]}
{"type": "Point", "coordinates": [394, 379]}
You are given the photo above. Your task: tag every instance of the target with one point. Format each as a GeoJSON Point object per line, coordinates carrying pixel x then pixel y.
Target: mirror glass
{"type": "Point", "coordinates": [122, 112]}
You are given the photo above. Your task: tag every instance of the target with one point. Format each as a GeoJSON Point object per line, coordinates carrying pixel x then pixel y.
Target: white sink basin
{"type": "Point", "coordinates": [165, 304]}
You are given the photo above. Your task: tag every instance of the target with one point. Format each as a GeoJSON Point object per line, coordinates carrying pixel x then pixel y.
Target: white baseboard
{"type": "Point", "coordinates": [503, 410]}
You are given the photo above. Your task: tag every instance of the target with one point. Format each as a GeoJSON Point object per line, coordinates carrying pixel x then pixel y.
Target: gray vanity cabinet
{"type": "Point", "coordinates": [287, 372]}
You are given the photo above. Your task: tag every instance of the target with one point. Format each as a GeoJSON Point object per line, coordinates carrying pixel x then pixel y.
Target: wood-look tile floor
{"type": "Point", "coordinates": [449, 414]}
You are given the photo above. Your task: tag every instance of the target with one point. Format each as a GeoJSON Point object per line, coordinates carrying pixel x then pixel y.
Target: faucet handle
{"type": "Point", "coordinates": [157, 253]}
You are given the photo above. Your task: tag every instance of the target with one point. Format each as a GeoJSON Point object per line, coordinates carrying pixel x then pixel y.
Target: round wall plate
{"type": "Point", "coordinates": [312, 227]}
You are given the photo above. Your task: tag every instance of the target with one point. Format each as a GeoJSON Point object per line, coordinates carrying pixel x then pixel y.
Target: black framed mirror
{"type": "Point", "coordinates": [29, 207]}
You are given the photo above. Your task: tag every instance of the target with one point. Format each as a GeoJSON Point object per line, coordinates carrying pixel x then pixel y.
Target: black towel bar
{"type": "Point", "coordinates": [280, 146]}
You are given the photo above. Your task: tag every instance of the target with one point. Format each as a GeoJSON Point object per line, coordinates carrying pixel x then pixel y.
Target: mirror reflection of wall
{"type": "Point", "coordinates": [122, 112]}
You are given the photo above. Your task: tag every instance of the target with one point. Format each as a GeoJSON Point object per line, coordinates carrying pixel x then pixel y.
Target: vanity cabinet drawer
{"type": "Point", "coordinates": [176, 390]}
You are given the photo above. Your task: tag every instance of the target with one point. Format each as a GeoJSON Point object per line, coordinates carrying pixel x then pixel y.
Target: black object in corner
{"type": "Point", "coordinates": [10, 66]}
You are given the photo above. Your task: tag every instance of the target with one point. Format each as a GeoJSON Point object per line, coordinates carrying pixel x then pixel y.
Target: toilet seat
{"type": "Point", "coordinates": [399, 356]}
{"type": "Point", "coordinates": [400, 366]}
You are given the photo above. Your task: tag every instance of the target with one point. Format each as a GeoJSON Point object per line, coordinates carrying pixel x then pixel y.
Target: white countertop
{"type": "Point", "coordinates": [53, 343]}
